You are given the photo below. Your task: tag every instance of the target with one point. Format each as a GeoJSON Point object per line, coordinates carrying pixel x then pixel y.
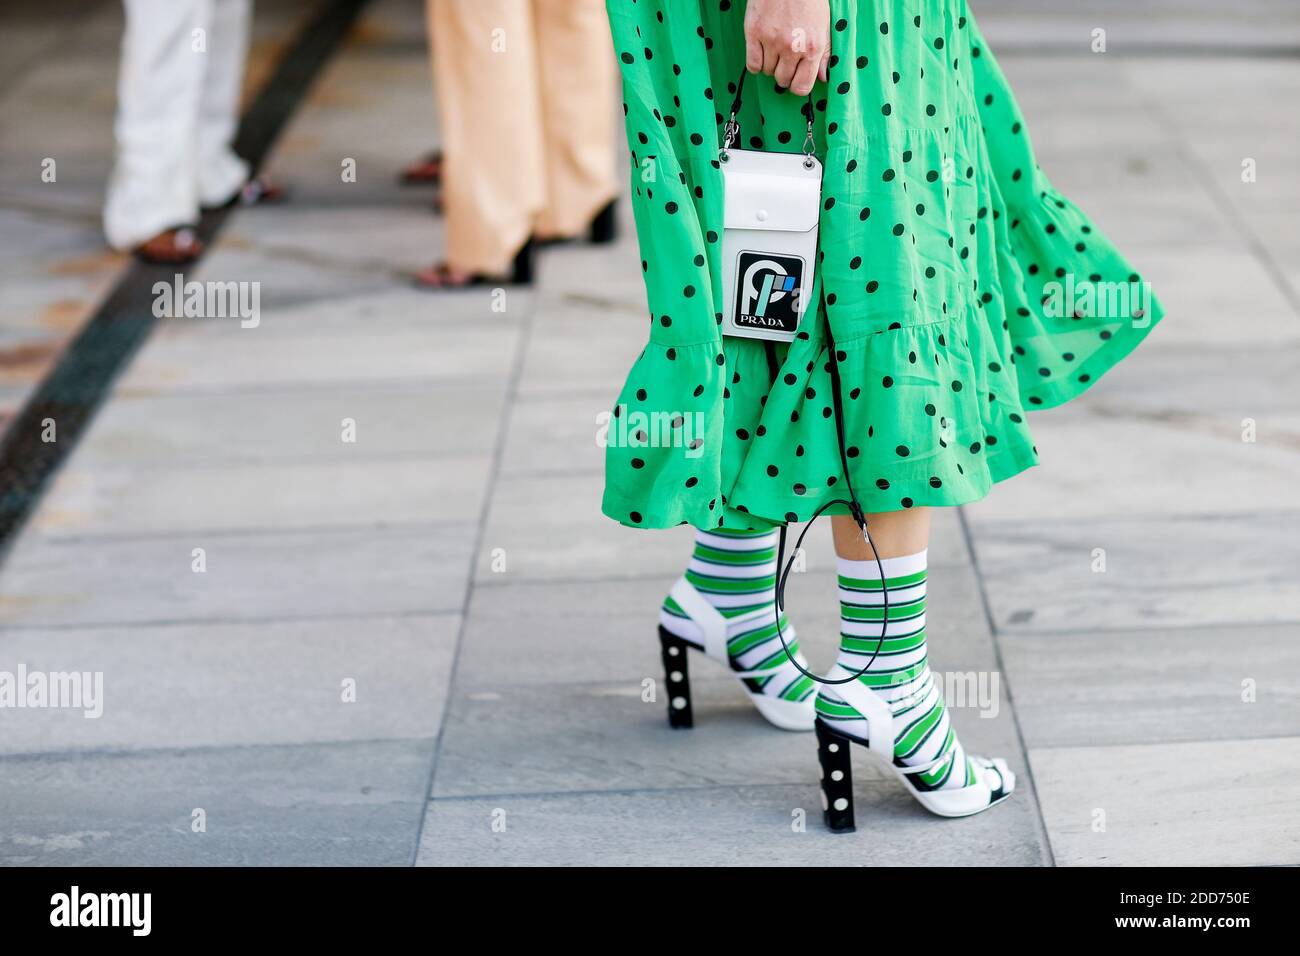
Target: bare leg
{"type": "Point", "coordinates": [895, 533]}
{"type": "Point", "coordinates": [882, 637]}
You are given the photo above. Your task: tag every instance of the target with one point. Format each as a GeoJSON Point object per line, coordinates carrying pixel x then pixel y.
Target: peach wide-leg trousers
{"type": "Point", "coordinates": [525, 94]}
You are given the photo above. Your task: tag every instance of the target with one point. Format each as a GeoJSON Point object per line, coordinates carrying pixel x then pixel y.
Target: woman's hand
{"type": "Point", "coordinates": [788, 40]}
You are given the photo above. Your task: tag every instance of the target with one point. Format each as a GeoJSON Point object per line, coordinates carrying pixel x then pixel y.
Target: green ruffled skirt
{"type": "Point", "coordinates": [960, 288]}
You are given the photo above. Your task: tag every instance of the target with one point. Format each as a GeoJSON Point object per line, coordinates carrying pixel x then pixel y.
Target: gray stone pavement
{"type": "Point", "coordinates": [487, 693]}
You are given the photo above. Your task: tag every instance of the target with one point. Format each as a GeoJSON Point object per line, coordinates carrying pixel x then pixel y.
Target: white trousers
{"type": "Point", "coordinates": [178, 97]}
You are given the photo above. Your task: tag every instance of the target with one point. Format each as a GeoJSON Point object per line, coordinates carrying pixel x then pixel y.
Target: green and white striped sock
{"type": "Point", "coordinates": [900, 673]}
{"type": "Point", "coordinates": [735, 571]}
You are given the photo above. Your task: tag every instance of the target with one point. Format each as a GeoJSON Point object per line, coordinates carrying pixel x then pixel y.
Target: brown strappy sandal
{"type": "Point", "coordinates": [176, 246]}
{"type": "Point", "coordinates": [440, 277]}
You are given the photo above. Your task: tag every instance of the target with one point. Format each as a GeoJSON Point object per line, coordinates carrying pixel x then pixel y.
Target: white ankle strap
{"type": "Point", "coordinates": [880, 719]}
{"type": "Point", "coordinates": [712, 624]}
{"type": "Point", "coordinates": [927, 767]}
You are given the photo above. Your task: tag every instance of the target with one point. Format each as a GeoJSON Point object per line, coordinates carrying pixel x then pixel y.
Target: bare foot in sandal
{"type": "Point", "coordinates": [171, 246]}
{"type": "Point", "coordinates": [442, 276]}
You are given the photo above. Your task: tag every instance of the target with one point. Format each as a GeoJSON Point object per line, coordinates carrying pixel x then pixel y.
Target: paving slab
{"type": "Point", "coordinates": [1084, 688]}
{"type": "Point", "coordinates": [243, 358]}
{"type": "Point", "coordinates": [333, 310]}
{"type": "Point", "coordinates": [1161, 221]}
{"type": "Point", "coordinates": [404, 419]}
{"type": "Point", "coordinates": [223, 685]}
{"type": "Point", "coordinates": [555, 434]}
{"type": "Point", "coordinates": [1200, 803]}
{"type": "Point", "coordinates": [550, 527]}
{"type": "Point", "coordinates": [398, 307]}
{"type": "Point", "coordinates": [578, 274]}
{"type": "Point", "coordinates": [346, 804]}
{"type": "Point", "coordinates": [394, 244]}
{"type": "Point", "coordinates": [1162, 23]}
{"type": "Point", "coordinates": [1162, 572]}
{"type": "Point", "coordinates": [1211, 291]}
{"type": "Point", "coordinates": [119, 581]}
{"type": "Point", "coordinates": [54, 272]}
{"type": "Point", "coordinates": [567, 737]}
{"type": "Point", "coordinates": [1142, 194]}
{"type": "Point", "coordinates": [586, 345]}
{"type": "Point", "coordinates": [1119, 135]}
{"type": "Point", "coordinates": [1086, 81]}
{"type": "Point", "coordinates": [1238, 95]}
{"type": "Point", "coordinates": [394, 336]}
{"type": "Point", "coordinates": [1271, 190]}
{"type": "Point", "coordinates": [289, 279]}
{"type": "Point", "coordinates": [366, 492]}
{"type": "Point", "coordinates": [1220, 387]}
{"type": "Point", "coordinates": [375, 107]}
{"type": "Point", "coordinates": [556, 632]}
{"type": "Point", "coordinates": [721, 826]}
{"type": "Point", "coordinates": [1116, 466]}
{"type": "Point", "coordinates": [1271, 228]}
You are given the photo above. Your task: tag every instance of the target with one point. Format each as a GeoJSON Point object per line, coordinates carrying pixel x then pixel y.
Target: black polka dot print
{"type": "Point", "coordinates": [950, 275]}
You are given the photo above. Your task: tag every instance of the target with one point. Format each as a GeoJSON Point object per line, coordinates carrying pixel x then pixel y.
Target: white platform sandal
{"type": "Point", "coordinates": [994, 779]}
{"type": "Point", "coordinates": [786, 714]}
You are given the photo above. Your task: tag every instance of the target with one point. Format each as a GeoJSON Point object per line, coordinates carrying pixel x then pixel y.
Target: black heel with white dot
{"type": "Point", "coordinates": [678, 679]}
{"type": "Point", "coordinates": [837, 779]}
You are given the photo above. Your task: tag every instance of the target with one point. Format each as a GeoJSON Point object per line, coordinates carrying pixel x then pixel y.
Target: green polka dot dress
{"type": "Point", "coordinates": [946, 268]}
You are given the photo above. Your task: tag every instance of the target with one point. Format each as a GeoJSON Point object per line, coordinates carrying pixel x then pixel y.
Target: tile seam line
{"type": "Point", "coordinates": [200, 749]}
{"type": "Point", "coordinates": [287, 388]}
{"type": "Point", "coordinates": [1146, 51]}
{"type": "Point", "coordinates": [1005, 525]}
{"type": "Point", "coordinates": [10, 630]}
{"type": "Point", "coordinates": [128, 467]}
{"type": "Point", "coordinates": [667, 576]}
{"type": "Point", "coordinates": [1110, 632]}
{"type": "Point", "coordinates": [1041, 820]}
{"type": "Point", "coordinates": [721, 787]}
{"type": "Point", "coordinates": [508, 405]}
{"type": "Point", "coordinates": [1148, 743]}
{"type": "Point", "coordinates": [88, 464]}
{"type": "Point", "coordinates": [399, 528]}
{"type": "Point", "coordinates": [402, 387]}
{"type": "Point", "coordinates": [627, 791]}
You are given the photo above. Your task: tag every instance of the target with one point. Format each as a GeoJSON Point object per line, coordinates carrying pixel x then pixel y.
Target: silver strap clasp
{"type": "Point", "coordinates": [729, 133]}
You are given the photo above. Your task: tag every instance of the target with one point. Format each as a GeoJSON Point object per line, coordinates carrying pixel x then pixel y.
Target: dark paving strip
{"type": "Point", "coordinates": [76, 386]}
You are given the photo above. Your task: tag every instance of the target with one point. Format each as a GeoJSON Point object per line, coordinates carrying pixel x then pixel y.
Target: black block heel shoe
{"type": "Point", "coordinates": [786, 714]}
{"type": "Point", "coordinates": [439, 278]}
{"type": "Point", "coordinates": [524, 266]}
{"type": "Point", "coordinates": [837, 778]}
{"type": "Point", "coordinates": [986, 782]}
{"type": "Point", "coordinates": [604, 226]}
{"type": "Point", "coordinates": [673, 651]}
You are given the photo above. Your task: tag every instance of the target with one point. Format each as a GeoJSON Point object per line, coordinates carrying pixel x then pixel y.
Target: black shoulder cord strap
{"type": "Point", "coordinates": [730, 133]}
{"type": "Point", "coordinates": [859, 516]}
{"type": "Point", "coordinates": [731, 129]}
